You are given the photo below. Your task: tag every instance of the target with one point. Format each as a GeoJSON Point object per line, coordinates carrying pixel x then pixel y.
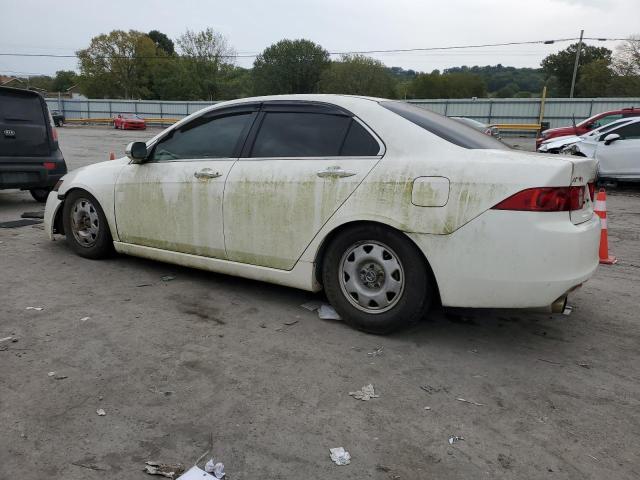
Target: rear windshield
{"type": "Point", "coordinates": [450, 130]}
{"type": "Point", "coordinates": [20, 107]}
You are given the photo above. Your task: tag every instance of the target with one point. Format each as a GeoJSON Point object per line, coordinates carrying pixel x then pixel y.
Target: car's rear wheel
{"type": "Point", "coordinates": [376, 279]}
{"type": "Point", "coordinates": [86, 226]}
{"type": "Point", "coordinates": [40, 194]}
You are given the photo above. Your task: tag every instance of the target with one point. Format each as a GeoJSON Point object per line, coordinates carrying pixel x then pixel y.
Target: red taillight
{"type": "Point", "coordinates": [592, 191]}
{"type": "Point", "coordinates": [49, 165]}
{"type": "Point", "coordinates": [545, 199]}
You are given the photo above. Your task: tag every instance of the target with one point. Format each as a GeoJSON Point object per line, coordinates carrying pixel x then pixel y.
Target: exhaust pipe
{"type": "Point", "coordinates": [559, 305]}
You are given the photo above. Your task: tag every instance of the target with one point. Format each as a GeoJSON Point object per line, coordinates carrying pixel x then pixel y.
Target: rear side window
{"type": "Point", "coordinates": [204, 137]}
{"type": "Point", "coordinates": [288, 134]}
{"type": "Point", "coordinates": [359, 142]}
{"type": "Point", "coordinates": [445, 128]}
{"type": "Point", "coordinates": [17, 107]}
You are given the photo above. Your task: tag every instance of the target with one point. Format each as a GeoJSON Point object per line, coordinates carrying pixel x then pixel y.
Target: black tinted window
{"type": "Point", "coordinates": [204, 137]}
{"type": "Point", "coordinates": [450, 130]}
{"type": "Point", "coordinates": [20, 107]}
{"type": "Point", "coordinates": [300, 135]}
{"type": "Point", "coordinates": [359, 142]}
{"type": "Point", "coordinates": [631, 131]}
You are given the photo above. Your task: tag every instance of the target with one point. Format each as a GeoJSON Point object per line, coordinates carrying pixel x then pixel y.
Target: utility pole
{"type": "Point", "coordinates": [575, 66]}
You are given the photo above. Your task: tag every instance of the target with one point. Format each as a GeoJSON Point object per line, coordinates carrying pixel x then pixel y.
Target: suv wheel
{"type": "Point", "coordinates": [40, 194]}
{"type": "Point", "coordinates": [85, 226]}
{"type": "Point", "coordinates": [376, 279]}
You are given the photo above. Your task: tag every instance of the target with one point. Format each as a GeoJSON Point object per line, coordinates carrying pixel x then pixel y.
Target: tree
{"type": "Point", "coordinates": [206, 54]}
{"type": "Point", "coordinates": [117, 65]}
{"type": "Point", "coordinates": [162, 42]}
{"type": "Point", "coordinates": [447, 85]}
{"type": "Point", "coordinates": [595, 79]}
{"type": "Point", "coordinates": [560, 65]}
{"type": "Point", "coordinates": [64, 80]}
{"type": "Point", "coordinates": [289, 66]}
{"type": "Point", "coordinates": [357, 75]}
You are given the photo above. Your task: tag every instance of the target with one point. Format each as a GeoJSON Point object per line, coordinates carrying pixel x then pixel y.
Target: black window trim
{"type": "Point", "coordinates": [250, 108]}
{"type": "Point", "coordinates": [305, 106]}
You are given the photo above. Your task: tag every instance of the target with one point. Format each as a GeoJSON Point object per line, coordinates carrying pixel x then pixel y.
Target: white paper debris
{"type": "Point", "coordinates": [101, 413]}
{"type": "Point", "coordinates": [340, 456]}
{"type": "Point", "coordinates": [427, 408]}
{"type": "Point", "coordinates": [471, 402]}
{"type": "Point", "coordinates": [365, 394]}
{"type": "Point", "coordinates": [195, 473]}
{"type": "Point", "coordinates": [327, 312]}
{"type": "Point", "coordinates": [84, 319]}
{"type": "Point", "coordinates": [5, 339]}
{"type": "Point", "coordinates": [35, 308]}
{"type": "Point", "coordinates": [454, 438]}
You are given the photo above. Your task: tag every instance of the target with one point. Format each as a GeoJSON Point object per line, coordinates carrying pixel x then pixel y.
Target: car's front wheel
{"type": "Point", "coordinates": [86, 226]}
{"type": "Point", "coordinates": [376, 279]}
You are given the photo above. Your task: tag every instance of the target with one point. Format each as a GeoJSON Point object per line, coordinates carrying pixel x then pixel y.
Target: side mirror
{"type": "Point", "coordinates": [612, 137]}
{"type": "Point", "coordinates": [136, 151]}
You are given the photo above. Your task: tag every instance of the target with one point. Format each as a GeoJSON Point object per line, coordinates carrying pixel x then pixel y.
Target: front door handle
{"type": "Point", "coordinates": [335, 172]}
{"type": "Point", "coordinates": [206, 173]}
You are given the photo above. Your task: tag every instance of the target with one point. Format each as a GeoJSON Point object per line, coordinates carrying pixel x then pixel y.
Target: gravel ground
{"type": "Point", "coordinates": [172, 361]}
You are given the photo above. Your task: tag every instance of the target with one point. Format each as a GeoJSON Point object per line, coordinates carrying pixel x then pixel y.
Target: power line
{"type": "Point", "coordinates": [353, 52]}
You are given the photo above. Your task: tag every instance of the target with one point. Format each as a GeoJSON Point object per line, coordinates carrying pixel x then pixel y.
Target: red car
{"type": "Point", "coordinates": [129, 121]}
{"type": "Point", "coordinates": [590, 123]}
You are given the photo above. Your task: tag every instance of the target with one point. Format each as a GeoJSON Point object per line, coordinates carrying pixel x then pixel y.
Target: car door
{"type": "Point", "coordinates": [173, 201]}
{"type": "Point", "coordinates": [620, 158]}
{"type": "Point", "coordinates": [301, 162]}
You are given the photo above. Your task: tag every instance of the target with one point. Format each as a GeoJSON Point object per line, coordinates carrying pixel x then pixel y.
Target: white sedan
{"type": "Point", "coordinates": [386, 206]}
{"type": "Point", "coordinates": [616, 149]}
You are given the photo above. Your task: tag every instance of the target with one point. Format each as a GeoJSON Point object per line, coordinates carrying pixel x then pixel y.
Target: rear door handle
{"type": "Point", "coordinates": [335, 172]}
{"type": "Point", "coordinates": [207, 173]}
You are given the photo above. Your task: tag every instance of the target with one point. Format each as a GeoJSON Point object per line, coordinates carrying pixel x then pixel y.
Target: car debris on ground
{"type": "Point", "coordinates": [340, 456]}
{"type": "Point", "coordinates": [35, 308]}
{"type": "Point", "coordinates": [376, 352]}
{"type": "Point", "coordinates": [216, 469]}
{"type": "Point", "coordinates": [366, 393]}
{"type": "Point", "coordinates": [454, 439]}
{"type": "Point", "coordinates": [164, 469]}
{"type": "Point", "coordinates": [33, 214]}
{"type": "Point", "coordinates": [167, 278]}
{"type": "Point", "coordinates": [327, 312]}
{"type": "Point", "coordinates": [101, 412]}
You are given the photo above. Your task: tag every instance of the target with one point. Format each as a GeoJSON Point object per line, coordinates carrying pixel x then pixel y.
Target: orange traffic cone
{"type": "Point", "coordinates": [601, 211]}
{"type": "Point", "coordinates": [112, 156]}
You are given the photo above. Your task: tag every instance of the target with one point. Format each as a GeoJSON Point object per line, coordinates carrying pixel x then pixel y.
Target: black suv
{"type": "Point", "coordinates": [30, 158]}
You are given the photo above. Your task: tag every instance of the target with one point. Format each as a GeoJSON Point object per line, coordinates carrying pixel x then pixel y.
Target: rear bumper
{"type": "Point", "coordinates": [506, 259]}
{"type": "Point", "coordinates": [28, 173]}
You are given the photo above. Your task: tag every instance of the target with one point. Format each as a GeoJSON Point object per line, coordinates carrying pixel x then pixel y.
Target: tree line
{"type": "Point", "coordinates": [202, 66]}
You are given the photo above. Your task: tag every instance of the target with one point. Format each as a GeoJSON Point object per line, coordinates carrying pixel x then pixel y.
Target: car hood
{"type": "Point", "coordinates": [558, 142]}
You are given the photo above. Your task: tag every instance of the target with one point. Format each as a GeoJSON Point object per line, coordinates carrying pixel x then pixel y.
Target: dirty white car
{"type": "Point", "coordinates": [617, 150]}
{"type": "Point", "coordinates": [387, 207]}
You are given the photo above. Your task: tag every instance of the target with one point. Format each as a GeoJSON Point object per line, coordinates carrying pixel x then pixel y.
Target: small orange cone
{"type": "Point", "coordinates": [601, 211]}
{"type": "Point", "coordinates": [112, 156]}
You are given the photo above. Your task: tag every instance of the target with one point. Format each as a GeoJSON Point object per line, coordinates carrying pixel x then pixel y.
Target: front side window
{"type": "Point", "coordinates": [204, 137]}
{"type": "Point", "coordinates": [629, 132]}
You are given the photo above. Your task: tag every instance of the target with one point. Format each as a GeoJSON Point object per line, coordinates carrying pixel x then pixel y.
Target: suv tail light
{"type": "Point", "coordinates": [49, 165]}
{"type": "Point", "coordinates": [545, 199]}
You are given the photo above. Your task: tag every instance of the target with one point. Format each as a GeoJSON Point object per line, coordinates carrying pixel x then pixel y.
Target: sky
{"type": "Point", "coordinates": [64, 26]}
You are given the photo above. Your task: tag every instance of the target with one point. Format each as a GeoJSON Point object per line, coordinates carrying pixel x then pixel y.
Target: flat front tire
{"type": "Point", "coordinates": [376, 279]}
{"type": "Point", "coordinates": [85, 225]}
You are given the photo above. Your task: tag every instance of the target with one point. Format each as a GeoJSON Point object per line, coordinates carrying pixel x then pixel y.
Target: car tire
{"type": "Point", "coordinates": [40, 194]}
{"type": "Point", "coordinates": [85, 225]}
{"type": "Point", "coordinates": [376, 279]}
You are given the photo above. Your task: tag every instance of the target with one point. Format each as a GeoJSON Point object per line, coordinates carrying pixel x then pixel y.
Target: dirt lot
{"type": "Point", "coordinates": [172, 361]}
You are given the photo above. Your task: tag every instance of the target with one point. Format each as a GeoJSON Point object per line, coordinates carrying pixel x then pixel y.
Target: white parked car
{"type": "Point", "coordinates": [617, 150]}
{"type": "Point", "coordinates": [561, 144]}
{"type": "Point", "coordinates": [387, 207]}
